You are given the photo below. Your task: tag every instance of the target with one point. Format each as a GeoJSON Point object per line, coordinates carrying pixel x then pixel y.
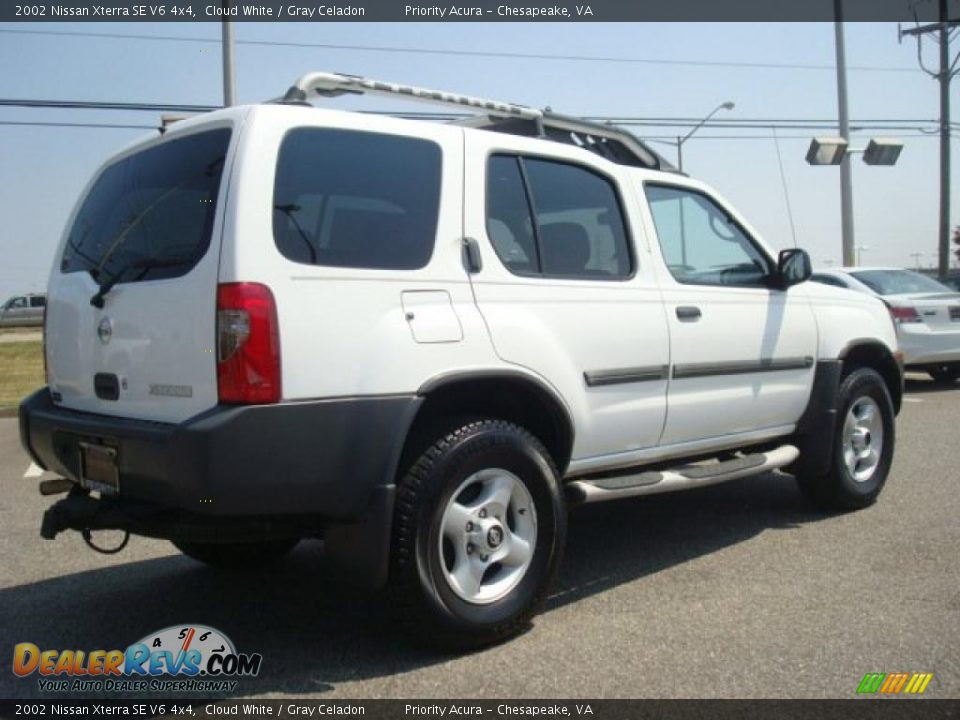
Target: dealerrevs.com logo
{"type": "Point", "coordinates": [184, 658]}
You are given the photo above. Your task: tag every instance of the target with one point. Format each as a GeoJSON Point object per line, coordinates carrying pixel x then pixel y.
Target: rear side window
{"type": "Point", "coordinates": [150, 215]}
{"type": "Point", "coordinates": [38, 301]}
{"type": "Point", "coordinates": [345, 198]}
{"type": "Point", "coordinates": [555, 219]}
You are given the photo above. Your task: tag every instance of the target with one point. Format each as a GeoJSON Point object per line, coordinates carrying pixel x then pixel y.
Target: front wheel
{"type": "Point", "coordinates": [479, 531]}
{"type": "Point", "coordinates": [862, 441]}
{"type": "Point", "coordinates": [944, 373]}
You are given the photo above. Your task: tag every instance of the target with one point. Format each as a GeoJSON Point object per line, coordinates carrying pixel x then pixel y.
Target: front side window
{"type": "Point", "coordinates": [701, 243]}
{"type": "Point", "coordinates": [150, 215]}
{"type": "Point", "coordinates": [17, 303]}
{"type": "Point", "coordinates": [555, 219]}
{"type": "Point", "coordinates": [346, 198]}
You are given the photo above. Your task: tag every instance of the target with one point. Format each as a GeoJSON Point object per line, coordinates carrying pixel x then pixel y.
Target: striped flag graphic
{"type": "Point", "coordinates": [894, 683]}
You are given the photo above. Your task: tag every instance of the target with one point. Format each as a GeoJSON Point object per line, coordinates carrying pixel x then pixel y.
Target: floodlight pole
{"type": "Point", "coordinates": [229, 69]}
{"type": "Point", "coordinates": [846, 170]}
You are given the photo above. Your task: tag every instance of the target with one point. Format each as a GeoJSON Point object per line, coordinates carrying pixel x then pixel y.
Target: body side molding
{"type": "Point", "coordinates": [622, 376]}
{"type": "Point", "coordinates": [695, 370]}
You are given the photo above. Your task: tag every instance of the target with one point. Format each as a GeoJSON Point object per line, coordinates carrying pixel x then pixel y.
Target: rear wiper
{"type": "Point", "coordinates": [142, 264]}
{"type": "Point", "coordinates": [289, 210]}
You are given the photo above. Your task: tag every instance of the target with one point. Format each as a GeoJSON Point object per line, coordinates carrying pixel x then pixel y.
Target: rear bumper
{"type": "Point", "coordinates": [333, 461]}
{"type": "Point", "coordinates": [922, 346]}
{"type": "Point", "coordinates": [321, 457]}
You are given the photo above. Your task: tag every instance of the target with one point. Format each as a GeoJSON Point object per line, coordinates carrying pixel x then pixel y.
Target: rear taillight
{"type": "Point", "coordinates": [248, 344]}
{"type": "Point", "coordinates": [902, 315]}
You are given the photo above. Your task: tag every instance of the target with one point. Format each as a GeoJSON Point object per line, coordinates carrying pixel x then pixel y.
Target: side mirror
{"type": "Point", "coordinates": [793, 268]}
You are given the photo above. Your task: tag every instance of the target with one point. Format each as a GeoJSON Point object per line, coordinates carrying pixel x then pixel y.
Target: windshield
{"type": "Point", "coordinates": [898, 282]}
{"type": "Point", "coordinates": [150, 215]}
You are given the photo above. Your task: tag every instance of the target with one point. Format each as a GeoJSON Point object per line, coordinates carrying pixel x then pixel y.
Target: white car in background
{"type": "Point", "coordinates": [925, 312]}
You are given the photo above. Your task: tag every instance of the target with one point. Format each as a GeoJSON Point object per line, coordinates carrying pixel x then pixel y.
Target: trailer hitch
{"type": "Point", "coordinates": [79, 511]}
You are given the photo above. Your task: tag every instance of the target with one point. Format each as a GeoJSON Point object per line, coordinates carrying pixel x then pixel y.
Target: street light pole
{"type": "Point", "coordinates": [846, 171]}
{"type": "Point", "coordinates": [681, 140]}
{"type": "Point", "coordinates": [229, 70]}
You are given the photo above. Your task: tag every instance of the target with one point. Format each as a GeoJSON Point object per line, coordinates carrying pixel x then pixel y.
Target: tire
{"type": "Point", "coordinates": [856, 477]}
{"type": "Point", "coordinates": [237, 555]}
{"type": "Point", "coordinates": [945, 373]}
{"type": "Point", "coordinates": [497, 482]}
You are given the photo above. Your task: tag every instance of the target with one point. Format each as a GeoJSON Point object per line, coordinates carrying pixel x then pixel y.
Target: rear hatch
{"type": "Point", "coordinates": [130, 324]}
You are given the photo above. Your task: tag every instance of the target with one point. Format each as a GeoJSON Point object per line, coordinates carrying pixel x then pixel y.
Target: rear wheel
{"type": "Point", "coordinates": [862, 441]}
{"type": "Point", "coordinates": [945, 372]}
{"type": "Point", "coordinates": [234, 555]}
{"type": "Point", "coordinates": [479, 532]}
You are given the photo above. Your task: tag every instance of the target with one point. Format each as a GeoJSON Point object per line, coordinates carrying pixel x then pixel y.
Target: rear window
{"type": "Point", "coordinates": [898, 282]}
{"type": "Point", "coordinates": [346, 198]}
{"type": "Point", "coordinates": [150, 215]}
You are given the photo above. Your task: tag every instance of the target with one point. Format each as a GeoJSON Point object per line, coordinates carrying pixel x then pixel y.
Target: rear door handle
{"type": "Point", "coordinates": [688, 313]}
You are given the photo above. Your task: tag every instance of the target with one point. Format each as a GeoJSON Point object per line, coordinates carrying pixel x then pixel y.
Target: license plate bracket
{"type": "Point", "coordinates": [98, 468]}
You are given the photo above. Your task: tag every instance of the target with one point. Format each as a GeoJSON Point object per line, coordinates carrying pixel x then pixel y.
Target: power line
{"type": "Point", "coordinates": [105, 105]}
{"type": "Point", "coordinates": [466, 53]}
{"type": "Point", "coordinates": [665, 138]}
{"type": "Point", "coordinates": [114, 126]}
{"type": "Point", "coordinates": [742, 123]}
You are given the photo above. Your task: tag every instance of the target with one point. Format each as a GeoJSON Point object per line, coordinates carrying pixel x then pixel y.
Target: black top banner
{"type": "Point", "coordinates": [905, 11]}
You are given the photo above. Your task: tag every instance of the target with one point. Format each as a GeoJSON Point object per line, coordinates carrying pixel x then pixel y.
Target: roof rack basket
{"type": "Point", "coordinates": [613, 143]}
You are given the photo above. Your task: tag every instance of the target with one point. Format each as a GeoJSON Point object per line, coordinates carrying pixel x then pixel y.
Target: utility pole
{"type": "Point", "coordinates": [229, 70]}
{"type": "Point", "coordinates": [846, 170]}
{"type": "Point", "coordinates": [948, 70]}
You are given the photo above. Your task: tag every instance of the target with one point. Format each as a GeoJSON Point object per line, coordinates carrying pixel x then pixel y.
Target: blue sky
{"type": "Point", "coordinates": [42, 169]}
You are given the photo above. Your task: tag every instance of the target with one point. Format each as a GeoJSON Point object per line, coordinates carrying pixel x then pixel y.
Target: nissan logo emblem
{"type": "Point", "coordinates": [105, 330]}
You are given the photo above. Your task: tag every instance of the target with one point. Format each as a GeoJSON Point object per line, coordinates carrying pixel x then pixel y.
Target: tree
{"type": "Point", "coordinates": [956, 241]}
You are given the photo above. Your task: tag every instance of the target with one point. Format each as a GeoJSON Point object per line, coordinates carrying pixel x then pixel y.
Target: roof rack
{"type": "Point", "coordinates": [611, 142]}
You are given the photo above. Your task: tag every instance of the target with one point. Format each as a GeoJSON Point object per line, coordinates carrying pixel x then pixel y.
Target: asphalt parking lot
{"type": "Point", "coordinates": [739, 590]}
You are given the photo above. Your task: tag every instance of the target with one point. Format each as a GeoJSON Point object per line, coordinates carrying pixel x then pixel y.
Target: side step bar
{"type": "Point", "coordinates": [680, 478]}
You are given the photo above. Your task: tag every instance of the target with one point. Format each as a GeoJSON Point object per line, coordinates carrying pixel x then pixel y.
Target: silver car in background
{"type": "Point", "coordinates": [23, 310]}
{"type": "Point", "coordinates": [925, 312]}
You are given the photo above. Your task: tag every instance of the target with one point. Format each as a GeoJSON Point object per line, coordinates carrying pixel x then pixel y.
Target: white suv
{"type": "Point", "coordinates": [425, 341]}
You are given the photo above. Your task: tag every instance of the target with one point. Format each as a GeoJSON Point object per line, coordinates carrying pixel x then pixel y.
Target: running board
{"type": "Point", "coordinates": [683, 477]}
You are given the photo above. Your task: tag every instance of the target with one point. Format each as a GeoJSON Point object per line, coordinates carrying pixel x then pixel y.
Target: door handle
{"type": "Point", "coordinates": [472, 261]}
{"type": "Point", "coordinates": [688, 313]}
